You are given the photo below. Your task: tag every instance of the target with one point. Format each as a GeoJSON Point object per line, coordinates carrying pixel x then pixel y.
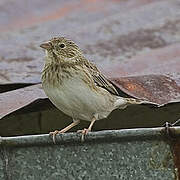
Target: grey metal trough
{"type": "Point", "coordinates": [145, 153]}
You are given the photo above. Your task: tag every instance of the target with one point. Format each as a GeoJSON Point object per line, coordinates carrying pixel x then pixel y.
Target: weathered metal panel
{"type": "Point", "coordinates": [3, 164]}
{"type": "Point", "coordinates": [155, 88]}
{"type": "Point", "coordinates": [138, 38]}
{"type": "Point", "coordinates": [115, 31]}
{"type": "Point", "coordinates": [14, 100]}
{"type": "Point", "coordinates": [124, 154]}
{"type": "Point", "coordinates": [24, 122]}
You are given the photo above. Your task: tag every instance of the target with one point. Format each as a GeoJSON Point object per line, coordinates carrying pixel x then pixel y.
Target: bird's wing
{"type": "Point", "coordinates": [100, 79]}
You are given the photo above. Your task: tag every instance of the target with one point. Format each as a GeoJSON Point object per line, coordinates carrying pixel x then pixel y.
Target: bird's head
{"type": "Point", "coordinates": [61, 48]}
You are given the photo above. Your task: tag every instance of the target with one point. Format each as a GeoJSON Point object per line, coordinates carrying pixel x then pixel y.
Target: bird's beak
{"type": "Point", "coordinates": [46, 45]}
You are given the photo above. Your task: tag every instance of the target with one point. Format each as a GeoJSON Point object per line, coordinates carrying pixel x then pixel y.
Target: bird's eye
{"type": "Point", "coordinates": [62, 45]}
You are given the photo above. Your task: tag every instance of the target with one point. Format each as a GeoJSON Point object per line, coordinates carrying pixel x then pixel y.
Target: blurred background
{"type": "Point", "coordinates": [134, 43]}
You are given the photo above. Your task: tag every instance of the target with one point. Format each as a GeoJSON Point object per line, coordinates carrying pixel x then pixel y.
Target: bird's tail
{"type": "Point", "coordinates": [130, 101]}
{"type": "Point", "coordinates": [124, 102]}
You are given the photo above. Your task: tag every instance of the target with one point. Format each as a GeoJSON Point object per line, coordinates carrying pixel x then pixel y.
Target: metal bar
{"type": "Point", "coordinates": [108, 135]}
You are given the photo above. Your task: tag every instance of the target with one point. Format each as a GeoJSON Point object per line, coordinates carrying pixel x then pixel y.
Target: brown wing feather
{"type": "Point", "coordinates": [100, 79]}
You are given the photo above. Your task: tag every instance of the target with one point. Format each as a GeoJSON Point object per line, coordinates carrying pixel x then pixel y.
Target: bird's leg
{"type": "Point", "coordinates": [167, 126]}
{"type": "Point", "coordinates": [85, 131]}
{"type": "Point", "coordinates": [54, 133]}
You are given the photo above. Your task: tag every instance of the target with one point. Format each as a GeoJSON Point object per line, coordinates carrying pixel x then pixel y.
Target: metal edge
{"type": "Point", "coordinates": [100, 136]}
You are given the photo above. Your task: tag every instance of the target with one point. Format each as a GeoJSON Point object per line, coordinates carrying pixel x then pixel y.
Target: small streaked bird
{"type": "Point", "coordinates": [76, 86]}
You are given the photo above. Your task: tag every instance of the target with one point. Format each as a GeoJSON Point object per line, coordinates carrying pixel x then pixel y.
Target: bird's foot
{"type": "Point", "coordinates": [167, 126]}
{"type": "Point", "coordinates": [53, 134]}
{"type": "Point", "coordinates": [83, 132]}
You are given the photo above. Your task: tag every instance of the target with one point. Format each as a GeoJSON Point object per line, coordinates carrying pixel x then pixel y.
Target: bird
{"type": "Point", "coordinates": [77, 87]}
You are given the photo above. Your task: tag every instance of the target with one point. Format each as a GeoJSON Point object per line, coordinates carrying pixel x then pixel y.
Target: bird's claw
{"type": "Point", "coordinates": [83, 132]}
{"type": "Point", "coordinates": [53, 134]}
{"type": "Point", "coordinates": [167, 126]}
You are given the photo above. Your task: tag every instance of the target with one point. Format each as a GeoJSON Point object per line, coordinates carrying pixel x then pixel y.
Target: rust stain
{"type": "Point", "coordinates": [154, 88]}
{"type": "Point", "coordinates": [132, 87]}
{"type": "Point", "coordinates": [171, 135]}
{"type": "Point", "coordinates": [69, 8]}
{"type": "Point", "coordinates": [162, 61]}
{"type": "Point", "coordinates": [29, 21]}
{"type": "Point", "coordinates": [176, 154]}
{"type": "Point", "coordinates": [54, 15]}
{"type": "Point", "coordinates": [20, 59]}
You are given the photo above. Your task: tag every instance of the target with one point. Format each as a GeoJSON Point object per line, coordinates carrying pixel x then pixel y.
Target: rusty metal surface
{"type": "Point", "coordinates": [135, 43]}
{"type": "Point", "coordinates": [154, 76]}
{"type": "Point", "coordinates": [154, 88]}
{"type": "Point", "coordinates": [160, 61]}
{"type": "Point", "coordinates": [14, 100]}
{"type": "Point", "coordinates": [21, 33]}
{"type": "Point", "coordinates": [105, 30]}
{"type": "Point", "coordinates": [174, 142]}
{"type": "Point", "coordinates": [175, 147]}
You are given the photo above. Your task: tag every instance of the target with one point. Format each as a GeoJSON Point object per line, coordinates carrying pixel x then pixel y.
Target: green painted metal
{"type": "Point", "coordinates": [144, 153]}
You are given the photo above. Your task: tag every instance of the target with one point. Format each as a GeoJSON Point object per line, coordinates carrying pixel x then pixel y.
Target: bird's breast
{"type": "Point", "coordinates": [75, 97]}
